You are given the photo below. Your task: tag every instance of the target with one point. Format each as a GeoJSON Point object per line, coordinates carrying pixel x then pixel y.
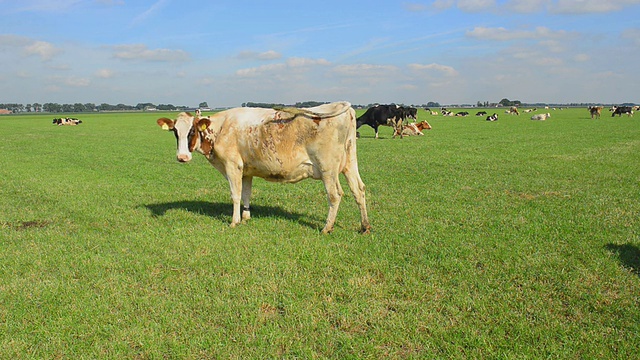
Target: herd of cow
{"type": "Point", "coordinates": [292, 144]}
{"type": "Point", "coordinates": [596, 111]}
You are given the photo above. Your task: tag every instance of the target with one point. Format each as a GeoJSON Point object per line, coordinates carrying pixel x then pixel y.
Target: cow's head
{"type": "Point", "coordinates": [188, 131]}
{"type": "Point", "coordinates": [425, 125]}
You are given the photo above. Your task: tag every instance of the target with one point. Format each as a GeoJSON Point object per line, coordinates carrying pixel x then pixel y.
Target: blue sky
{"type": "Point", "coordinates": [184, 52]}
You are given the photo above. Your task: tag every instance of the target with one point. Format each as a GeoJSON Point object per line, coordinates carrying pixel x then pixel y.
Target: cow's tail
{"type": "Point", "coordinates": [293, 112]}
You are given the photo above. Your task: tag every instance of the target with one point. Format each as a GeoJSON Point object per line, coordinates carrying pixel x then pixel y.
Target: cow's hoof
{"type": "Point", "coordinates": [327, 230]}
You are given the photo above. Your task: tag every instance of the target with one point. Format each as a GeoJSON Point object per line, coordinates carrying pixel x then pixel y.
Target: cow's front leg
{"type": "Point", "coordinates": [234, 175]}
{"type": "Point", "coordinates": [246, 197]}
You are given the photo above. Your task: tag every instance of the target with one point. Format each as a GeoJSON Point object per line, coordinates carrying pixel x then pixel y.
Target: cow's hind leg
{"type": "Point", "coordinates": [246, 197]}
{"type": "Point", "coordinates": [334, 195]}
{"type": "Point", "coordinates": [358, 190]}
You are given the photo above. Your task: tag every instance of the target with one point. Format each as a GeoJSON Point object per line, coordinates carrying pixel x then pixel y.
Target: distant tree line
{"type": "Point", "coordinates": [88, 107]}
{"type": "Point", "coordinates": [91, 107]}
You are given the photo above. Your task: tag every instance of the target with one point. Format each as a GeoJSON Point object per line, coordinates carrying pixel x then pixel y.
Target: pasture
{"type": "Point", "coordinates": [507, 239]}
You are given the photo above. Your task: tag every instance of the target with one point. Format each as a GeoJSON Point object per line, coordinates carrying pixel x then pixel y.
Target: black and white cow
{"type": "Point", "coordinates": [481, 113]}
{"type": "Point", "coordinates": [410, 112]}
{"type": "Point", "coordinates": [66, 121]}
{"type": "Point", "coordinates": [493, 117]}
{"type": "Point", "coordinates": [619, 110]}
{"type": "Point", "coordinates": [388, 115]}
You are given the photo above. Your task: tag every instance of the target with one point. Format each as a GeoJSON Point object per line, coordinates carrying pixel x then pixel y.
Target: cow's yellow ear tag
{"type": "Point", "coordinates": [165, 127]}
{"type": "Point", "coordinates": [203, 127]}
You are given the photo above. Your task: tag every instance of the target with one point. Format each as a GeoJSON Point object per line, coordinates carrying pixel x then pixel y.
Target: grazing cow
{"type": "Point", "coordinates": [619, 110]}
{"type": "Point", "coordinates": [388, 115]}
{"type": "Point", "coordinates": [595, 111]}
{"type": "Point", "coordinates": [280, 145]}
{"type": "Point", "coordinates": [513, 110]}
{"type": "Point", "coordinates": [481, 113]}
{"type": "Point", "coordinates": [409, 112]}
{"type": "Point", "coordinates": [541, 117]}
{"type": "Point", "coordinates": [493, 117]}
{"type": "Point", "coordinates": [415, 128]}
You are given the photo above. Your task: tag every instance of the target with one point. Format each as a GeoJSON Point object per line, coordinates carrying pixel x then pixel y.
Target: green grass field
{"type": "Point", "coordinates": [513, 239]}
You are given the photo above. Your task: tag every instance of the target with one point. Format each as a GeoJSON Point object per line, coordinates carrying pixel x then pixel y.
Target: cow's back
{"type": "Point", "coordinates": [281, 148]}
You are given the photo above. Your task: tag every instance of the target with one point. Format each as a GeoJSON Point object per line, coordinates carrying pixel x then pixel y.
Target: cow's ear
{"type": "Point", "coordinates": [203, 124]}
{"type": "Point", "coordinates": [165, 124]}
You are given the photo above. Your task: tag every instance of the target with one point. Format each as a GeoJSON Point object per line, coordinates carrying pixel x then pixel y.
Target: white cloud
{"type": "Point", "coordinates": [77, 81]}
{"type": "Point", "coordinates": [442, 4]}
{"type": "Point", "coordinates": [45, 50]}
{"type": "Point", "coordinates": [465, 5]}
{"type": "Point", "coordinates": [71, 81]}
{"type": "Point", "coordinates": [105, 73]}
{"type": "Point", "coordinates": [45, 5]}
{"type": "Point", "coordinates": [533, 6]}
{"type": "Point", "coordinates": [443, 69]}
{"type": "Point", "coordinates": [364, 70]}
{"type": "Point", "coordinates": [581, 57]}
{"type": "Point", "coordinates": [590, 6]}
{"type": "Point", "coordinates": [252, 55]}
{"type": "Point", "coordinates": [476, 5]}
{"type": "Point", "coordinates": [503, 34]}
{"type": "Point", "coordinates": [301, 62]}
{"type": "Point", "coordinates": [29, 47]}
{"type": "Point", "coordinates": [14, 40]}
{"type": "Point", "coordinates": [290, 64]}
{"type": "Point", "coordinates": [141, 52]}
{"type": "Point", "coordinates": [255, 71]}
{"type": "Point", "coordinates": [527, 6]}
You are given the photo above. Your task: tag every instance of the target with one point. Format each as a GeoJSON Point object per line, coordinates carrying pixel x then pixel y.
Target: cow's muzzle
{"type": "Point", "coordinates": [184, 158]}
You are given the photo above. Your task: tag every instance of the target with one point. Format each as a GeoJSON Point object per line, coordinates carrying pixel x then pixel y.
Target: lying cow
{"type": "Point", "coordinates": [413, 129]}
{"type": "Point", "coordinates": [66, 121]}
{"type": "Point", "coordinates": [285, 145]}
{"type": "Point", "coordinates": [541, 117]}
{"type": "Point", "coordinates": [493, 117]}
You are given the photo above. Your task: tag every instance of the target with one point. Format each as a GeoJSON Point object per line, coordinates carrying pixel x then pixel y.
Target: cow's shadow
{"type": "Point", "coordinates": [628, 255]}
{"type": "Point", "coordinates": [222, 212]}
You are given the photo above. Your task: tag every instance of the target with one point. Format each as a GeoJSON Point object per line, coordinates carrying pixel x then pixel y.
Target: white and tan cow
{"type": "Point", "coordinates": [280, 145]}
{"type": "Point", "coordinates": [541, 117]}
{"type": "Point", "coordinates": [413, 129]}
